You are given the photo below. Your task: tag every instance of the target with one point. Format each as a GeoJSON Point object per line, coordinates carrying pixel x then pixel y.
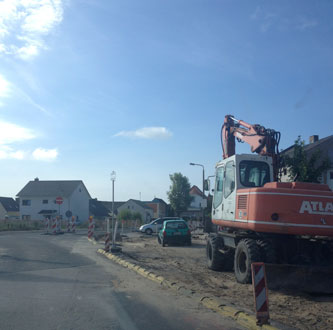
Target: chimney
{"type": "Point", "coordinates": [313, 138]}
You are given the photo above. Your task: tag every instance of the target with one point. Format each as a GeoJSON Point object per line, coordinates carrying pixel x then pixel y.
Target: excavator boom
{"type": "Point", "coordinates": [263, 141]}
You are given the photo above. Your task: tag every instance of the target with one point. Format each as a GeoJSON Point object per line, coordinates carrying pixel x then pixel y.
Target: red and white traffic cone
{"type": "Point", "coordinates": [91, 227]}
{"type": "Point", "coordinates": [107, 242]}
{"type": "Point", "coordinates": [73, 224]}
{"type": "Point", "coordinates": [54, 226]}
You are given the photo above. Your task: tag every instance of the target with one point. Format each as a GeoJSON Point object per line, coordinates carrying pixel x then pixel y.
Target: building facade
{"type": "Point", "coordinates": [194, 211]}
{"type": "Point", "coordinates": [159, 207]}
{"type": "Point", "coordinates": [9, 209]}
{"type": "Point", "coordinates": [38, 199]}
{"type": "Point", "coordinates": [325, 147]}
{"type": "Point", "coordinates": [133, 205]}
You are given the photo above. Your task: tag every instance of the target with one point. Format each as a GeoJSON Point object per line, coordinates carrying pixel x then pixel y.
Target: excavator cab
{"type": "Point", "coordinates": [233, 174]}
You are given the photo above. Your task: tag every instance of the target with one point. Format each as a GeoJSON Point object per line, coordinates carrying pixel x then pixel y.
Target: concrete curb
{"type": "Point", "coordinates": [242, 318]}
{"type": "Point", "coordinates": [91, 240]}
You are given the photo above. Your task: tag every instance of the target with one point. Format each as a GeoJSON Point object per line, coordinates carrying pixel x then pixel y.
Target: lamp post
{"type": "Point", "coordinates": [203, 188]}
{"type": "Point", "coordinates": [114, 248]}
{"type": "Point", "coordinates": [113, 179]}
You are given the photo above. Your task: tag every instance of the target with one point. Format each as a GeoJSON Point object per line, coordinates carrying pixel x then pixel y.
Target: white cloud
{"type": "Point", "coordinates": [45, 154]}
{"type": "Point", "coordinates": [8, 153]}
{"type": "Point", "coordinates": [10, 133]}
{"type": "Point", "coordinates": [5, 87]}
{"type": "Point", "coordinates": [8, 89]}
{"type": "Point", "coordinates": [305, 23]}
{"type": "Point", "coordinates": [29, 100]}
{"type": "Point", "coordinates": [147, 133]}
{"type": "Point", "coordinates": [25, 23]}
{"type": "Point", "coordinates": [280, 20]}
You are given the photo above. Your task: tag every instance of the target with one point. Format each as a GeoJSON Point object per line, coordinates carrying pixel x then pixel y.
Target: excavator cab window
{"type": "Point", "coordinates": [218, 187]}
{"type": "Point", "coordinates": [253, 173]}
{"type": "Point", "coordinates": [229, 180]}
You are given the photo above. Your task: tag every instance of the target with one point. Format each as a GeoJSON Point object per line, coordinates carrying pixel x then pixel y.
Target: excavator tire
{"type": "Point", "coordinates": [267, 251]}
{"type": "Point", "coordinates": [215, 259]}
{"type": "Point", "coordinates": [247, 252]}
{"type": "Point", "coordinates": [213, 255]}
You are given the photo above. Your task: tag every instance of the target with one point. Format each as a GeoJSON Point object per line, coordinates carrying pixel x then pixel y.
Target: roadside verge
{"type": "Point", "coordinates": [242, 318]}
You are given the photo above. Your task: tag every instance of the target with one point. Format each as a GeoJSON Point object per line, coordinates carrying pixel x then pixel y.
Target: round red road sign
{"type": "Point", "coordinates": [59, 200]}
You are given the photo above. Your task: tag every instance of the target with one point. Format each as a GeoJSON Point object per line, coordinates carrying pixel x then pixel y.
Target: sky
{"type": "Point", "coordinates": [141, 88]}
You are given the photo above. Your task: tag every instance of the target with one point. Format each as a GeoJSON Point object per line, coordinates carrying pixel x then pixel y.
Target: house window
{"type": "Point", "coordinates": [331, 175]}
{"type": "Point", "coordinates": [45, 201]}
{"type": "Point", "coordinates": [26, 202]}
{"type": "Point", "coordinates": [26, 217]}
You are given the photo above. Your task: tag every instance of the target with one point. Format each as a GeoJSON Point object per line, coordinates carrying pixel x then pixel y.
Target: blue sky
{"type": "Point", "coordinates": [142, 87]}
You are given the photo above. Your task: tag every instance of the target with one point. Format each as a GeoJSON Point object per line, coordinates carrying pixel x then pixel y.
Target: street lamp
{"type": "Point", "coordinates": [114, 248]}
{"type": "Point", "coordinates": [203, 188]}
{"type": "Point", "coordinates": [113, 179]}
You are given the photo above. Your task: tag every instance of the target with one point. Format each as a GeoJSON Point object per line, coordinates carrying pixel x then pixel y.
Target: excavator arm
{"type": "Point", "coordinates": [263, 141]}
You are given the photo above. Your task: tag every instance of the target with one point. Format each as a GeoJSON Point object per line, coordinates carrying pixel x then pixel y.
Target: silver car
{"type": "Point", "coordinates": [156, 225]}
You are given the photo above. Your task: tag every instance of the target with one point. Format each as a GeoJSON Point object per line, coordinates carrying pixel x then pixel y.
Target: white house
{"type": "Point", "coordinates": [194, 211]}
{"type": "Point", "coordinates": [37, 199]}
{"type": "Point", "coordinates": [134, 205]}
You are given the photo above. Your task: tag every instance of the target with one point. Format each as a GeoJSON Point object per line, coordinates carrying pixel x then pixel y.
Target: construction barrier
{"type": "Point", "coordinates": [260, 292]}
{"type": "Point", "coordinates": [107, 242]}
{"type": "Point", "coordinates": [73, 224]}
{"type": "Point", "coordinates": [47, 225]}
{"type": "Point", "coordinates": [58, 225]}
{"type": "Point", "coordinates": [91, 227]}
{"type": "Point", "coordinates": [54, 226]}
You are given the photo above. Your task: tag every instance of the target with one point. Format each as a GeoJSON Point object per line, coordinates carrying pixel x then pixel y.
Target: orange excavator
{"type": "Point", "coordinates": [255, 217]}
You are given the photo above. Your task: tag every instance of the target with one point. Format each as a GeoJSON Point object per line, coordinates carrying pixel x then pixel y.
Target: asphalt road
{"type": "Point", "coordinates": [60, 282]}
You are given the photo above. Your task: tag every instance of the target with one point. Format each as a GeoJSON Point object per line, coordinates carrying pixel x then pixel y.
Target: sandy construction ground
{"type": "Point", "coordinates": [291, 306]}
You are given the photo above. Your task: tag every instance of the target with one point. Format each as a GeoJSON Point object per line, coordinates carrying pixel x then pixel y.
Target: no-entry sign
{"type": "Point", "coordinates": [59, 200]}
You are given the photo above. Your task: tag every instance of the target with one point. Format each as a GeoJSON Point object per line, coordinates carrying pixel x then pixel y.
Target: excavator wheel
{"type": "Point", "coordinates": [215, 259]}
{"type": "Point", "coordinates": [246, 253]}
{"type": "Point", "coordinates": [213, 255]}
{"type": "Point", "coordinates": [267, 251]}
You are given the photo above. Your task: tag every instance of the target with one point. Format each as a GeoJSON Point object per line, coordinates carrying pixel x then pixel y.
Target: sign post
{"type": "Point", "coordinates": [59, 200]}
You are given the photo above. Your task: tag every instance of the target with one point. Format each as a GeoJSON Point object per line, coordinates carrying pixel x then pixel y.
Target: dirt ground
{"type": "Point", "coordinates": [186, 264]}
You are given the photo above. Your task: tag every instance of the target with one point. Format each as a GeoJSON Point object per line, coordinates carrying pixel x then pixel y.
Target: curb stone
{"type": "Point", "coordinates": [241, 317]}
{"type": "Point", "coordinates": [91, 240]}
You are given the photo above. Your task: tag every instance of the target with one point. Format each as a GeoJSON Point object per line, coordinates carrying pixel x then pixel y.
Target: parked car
{"type": "Point", "coordinates": [156, 225]}
{"type": "Point", "coordinates": [174, 231]}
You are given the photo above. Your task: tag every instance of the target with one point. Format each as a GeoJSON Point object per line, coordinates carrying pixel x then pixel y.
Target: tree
{"type": "Point", "coordinates": [137, 216]}
{"type": "Point", "coordinates": [179, 193]}
{"type": "Point", "coordinates": [303, 167]}
{"type": "Point", "coordinates": [125, 215]}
